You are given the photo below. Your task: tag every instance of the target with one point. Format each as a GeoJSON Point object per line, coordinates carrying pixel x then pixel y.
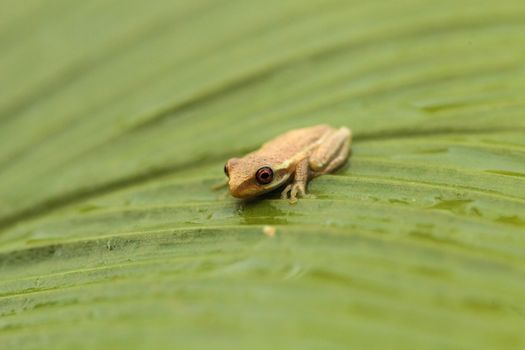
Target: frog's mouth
{"type": "Point", "coordinates": [251, 190]}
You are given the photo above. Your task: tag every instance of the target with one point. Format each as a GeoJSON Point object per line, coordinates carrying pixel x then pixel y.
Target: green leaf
{"type": "Point", "coordinates": [117, 117]}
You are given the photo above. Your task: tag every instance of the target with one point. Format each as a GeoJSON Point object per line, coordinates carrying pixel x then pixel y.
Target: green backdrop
{"type": "Point", "coordinates": [116, 118]}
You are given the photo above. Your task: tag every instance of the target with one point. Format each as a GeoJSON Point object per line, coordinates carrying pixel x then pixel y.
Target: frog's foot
{"type": "Point", "coordinates": [292, 190]}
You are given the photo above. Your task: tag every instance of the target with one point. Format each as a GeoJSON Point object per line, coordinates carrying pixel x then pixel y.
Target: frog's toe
{"type": "Point", "coordinates": [298, 189]}
{"type": "Point", "coordinates": [294, 191]}
{"type": "Point", "coordinates": [284, 193]}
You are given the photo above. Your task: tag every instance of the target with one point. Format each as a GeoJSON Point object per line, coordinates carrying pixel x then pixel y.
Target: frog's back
{"type": "Point", "coordinates": [290, 143]}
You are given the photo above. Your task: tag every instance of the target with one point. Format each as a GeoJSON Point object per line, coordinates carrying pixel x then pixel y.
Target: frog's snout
{"type": "Point", "coordinates": [242, 191]}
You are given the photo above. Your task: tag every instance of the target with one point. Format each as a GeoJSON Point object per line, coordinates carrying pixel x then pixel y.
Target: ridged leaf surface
{"type": "Point", "coordinates": [117, 117]}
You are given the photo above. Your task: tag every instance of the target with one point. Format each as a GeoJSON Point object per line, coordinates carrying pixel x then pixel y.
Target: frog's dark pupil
{"type": "Point", "coordinates": [264, 175]}
{"type": "Point", "coordinates": [226, 170]}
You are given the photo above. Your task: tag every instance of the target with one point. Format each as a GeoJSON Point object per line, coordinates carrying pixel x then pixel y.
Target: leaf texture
{"type": "Point", "coordinates": [116, 118]}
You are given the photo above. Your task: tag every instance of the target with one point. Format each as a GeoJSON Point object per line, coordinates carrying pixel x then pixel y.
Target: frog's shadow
{"type": "Point", "coordinates": [253, 202]}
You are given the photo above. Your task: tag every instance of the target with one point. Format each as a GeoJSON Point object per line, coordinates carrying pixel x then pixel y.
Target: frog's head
{"type": "Point", "coordinates": [251, 176]}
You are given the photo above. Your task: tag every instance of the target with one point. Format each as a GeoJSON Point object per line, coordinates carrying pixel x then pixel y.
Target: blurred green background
{"type": "Point", "coordinates": [116, 118]}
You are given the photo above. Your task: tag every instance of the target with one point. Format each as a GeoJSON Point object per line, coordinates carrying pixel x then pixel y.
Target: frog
{"type": "Point", "coordinates": [289, 161]}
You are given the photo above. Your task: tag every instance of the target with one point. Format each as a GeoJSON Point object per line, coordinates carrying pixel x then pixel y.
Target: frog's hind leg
{"type": "Point", "coordinates": [332, 153]}
{"type": "Point", "coordinates": [337, 162]}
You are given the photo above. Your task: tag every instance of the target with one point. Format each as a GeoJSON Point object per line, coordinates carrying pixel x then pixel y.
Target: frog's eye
{"type": "Point", "coordinates": [226, 170]}
{"type": "Point", "coordinates": [264, 175]}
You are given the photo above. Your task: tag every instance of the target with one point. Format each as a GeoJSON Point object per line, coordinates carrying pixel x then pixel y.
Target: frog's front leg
{"type": "Point", "coordinates": [298, 186]}
{"type": "Point", "coordinates": [332, 153]}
